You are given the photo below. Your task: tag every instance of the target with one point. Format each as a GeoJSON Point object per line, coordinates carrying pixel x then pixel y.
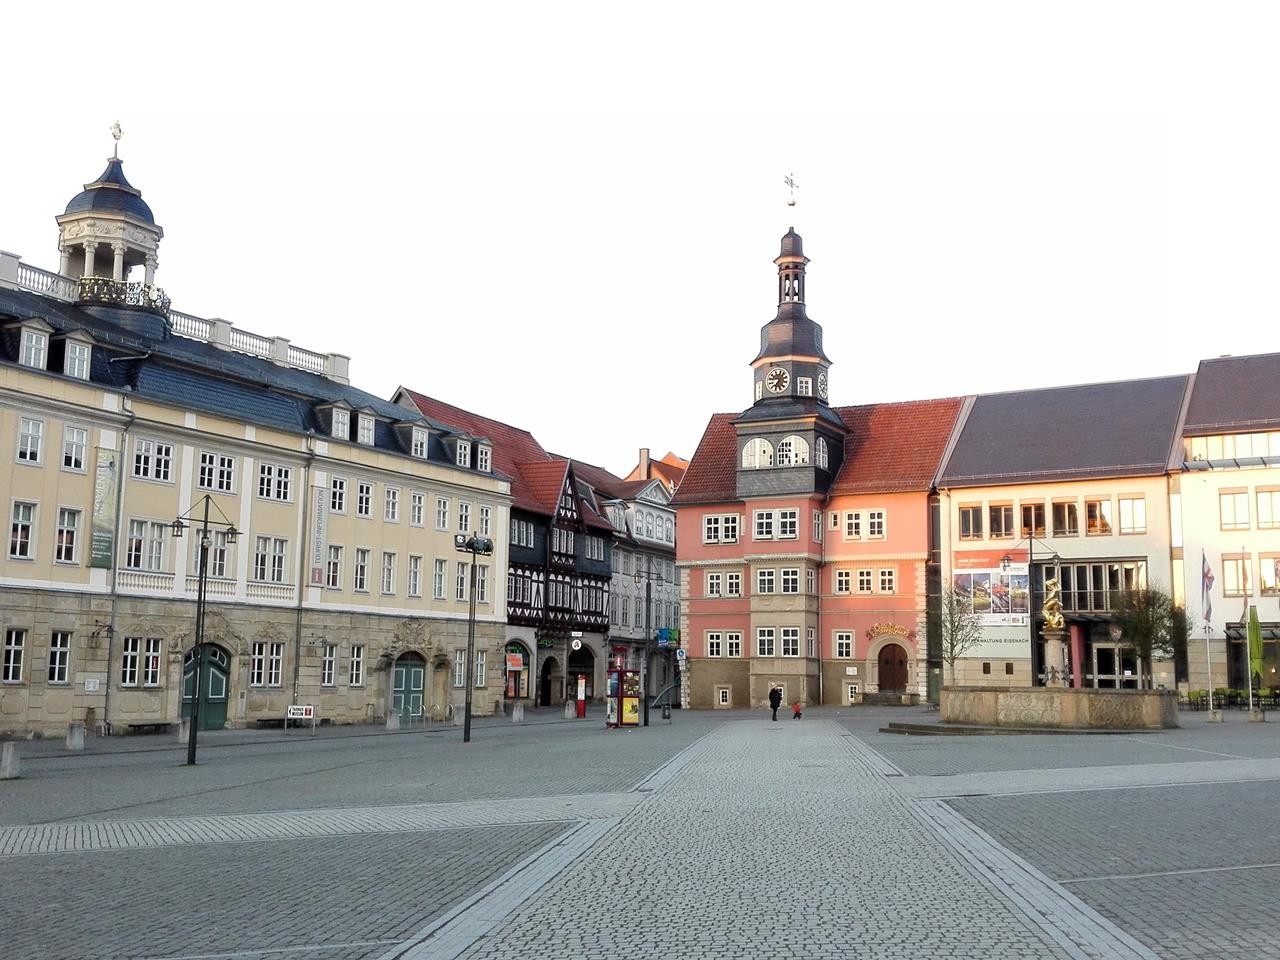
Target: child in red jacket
{"type": "Point", "coordinates": [796, 707]}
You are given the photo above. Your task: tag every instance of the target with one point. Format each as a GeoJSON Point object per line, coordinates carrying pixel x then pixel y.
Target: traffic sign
{"type": "Point", "coordinates": [680, 654]}
{"type": "Point", "coordinates": [577, 644]}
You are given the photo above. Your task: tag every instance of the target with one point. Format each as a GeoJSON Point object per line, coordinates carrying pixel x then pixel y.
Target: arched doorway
{"type": "Point", "coordinates": [892, 668]}
{"type": "Point", "coordinates": [407, 682]}
{"type": "Point", "coordinates": [582, 662]}
{"type": "Point", "coordinates": [549, 680]}
{"type": "Point", "coordinates": [214, 664]}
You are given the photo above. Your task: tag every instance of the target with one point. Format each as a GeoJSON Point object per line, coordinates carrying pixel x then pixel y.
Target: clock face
{"type": "Point", "coordinates": [777, 379]}
{"type": "Point", "coordinates": [822, 385]}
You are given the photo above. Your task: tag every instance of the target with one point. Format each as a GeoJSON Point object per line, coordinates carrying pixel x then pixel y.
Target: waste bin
{"type": "Point", "coordinates": [666, 711]}
{"type": "Point", "coordinates": [582, 708]}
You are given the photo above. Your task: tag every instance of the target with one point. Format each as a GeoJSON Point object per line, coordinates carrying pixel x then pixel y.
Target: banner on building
{"type": "Point", "coordinates": [319, 533]}
{"type": "Point", "coordinates": [106, 490]}
{"type": "Point", "coordinates": [996, 592]}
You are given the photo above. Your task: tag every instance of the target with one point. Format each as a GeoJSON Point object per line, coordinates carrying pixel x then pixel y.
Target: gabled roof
{"type": "Point", "coordinates": [1235, 395]}
{"type": "Point", "coordinates": [1122, 429]}
{"type": "Point", "coordinates": [894, 446]}
{"type": "Point", "coordinates": [514, 449]}
{"type": "Point", "coordinates": [712, 476]}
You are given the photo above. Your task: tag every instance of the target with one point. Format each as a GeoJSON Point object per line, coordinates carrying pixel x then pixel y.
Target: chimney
{"type": "Point", "coordinates": [644, 463]}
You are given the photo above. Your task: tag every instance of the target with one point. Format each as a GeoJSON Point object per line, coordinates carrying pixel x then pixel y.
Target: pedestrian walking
{"type": "Point", "coordinates": [775, 700]}
{"type": "Point", "coordinates": [795, 707]}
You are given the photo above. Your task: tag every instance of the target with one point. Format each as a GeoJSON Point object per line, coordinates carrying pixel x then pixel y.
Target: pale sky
{"type": "Point", "coordinates": [564, 216]}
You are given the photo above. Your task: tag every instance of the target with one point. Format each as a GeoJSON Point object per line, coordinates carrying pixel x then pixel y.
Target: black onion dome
{"type": "Point", "coordinates": [112, 193]}
{"type": "Point", "coordinates": [792, 245]}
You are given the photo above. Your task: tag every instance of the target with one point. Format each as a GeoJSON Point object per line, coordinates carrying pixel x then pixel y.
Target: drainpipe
{"type": "Point", "coordinates": [115, 563]}
{"type": "Point", "coordinates": [822, 564]}
{"type": "Point", "coordinates": [303, 556]}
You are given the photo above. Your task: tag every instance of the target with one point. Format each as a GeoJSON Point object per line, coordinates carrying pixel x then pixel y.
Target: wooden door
{"type": "Point", "coordinates": [893, 668]}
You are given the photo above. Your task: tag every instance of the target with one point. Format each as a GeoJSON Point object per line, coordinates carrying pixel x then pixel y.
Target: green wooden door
{"type": "Point", "coordinates": [215, 673]}
{"type": "Point", "coordinates": [407, 687]}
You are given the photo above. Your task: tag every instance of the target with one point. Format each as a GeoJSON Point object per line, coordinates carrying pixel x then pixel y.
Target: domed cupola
{"type": "Point", "coordinates": [108, 228]}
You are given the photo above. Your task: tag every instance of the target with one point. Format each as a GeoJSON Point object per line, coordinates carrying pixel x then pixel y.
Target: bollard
{"type": "Point", "coordinates": [517, 712]}
{"type": "Point", "coordinates": [1215, 716]}
{"type": "Point", "coordinates": [393, 721]}
{"type": "Point", "coordinates": [458, 718]}
{"type": "Point", "coordinates": [498, 710]}
{"type": "Point", "coordinates": [184, 730]}
{"type": "Point", "coordinates": [75, 736]}
{"type": "Point", "coordinates": [570, 710]}
{"type": "Point", "coordinates": [1257, 715]}
{"type": "Point", "coordinates": [9, 761]}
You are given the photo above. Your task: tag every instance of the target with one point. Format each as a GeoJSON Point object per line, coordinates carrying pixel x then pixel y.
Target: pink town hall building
{"type": "Point", "coordinates": [807, 535]}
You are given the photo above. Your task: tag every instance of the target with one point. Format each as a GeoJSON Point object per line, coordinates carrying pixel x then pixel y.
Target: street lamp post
{"type": "Point", "coordinates": [482, 547]}
{"type": "Point", "coordinates": [648, 577]}
{"type": "Point", "coordinates": [1005, 562]}
{"type": "Point", "coordinates": [205, 532]}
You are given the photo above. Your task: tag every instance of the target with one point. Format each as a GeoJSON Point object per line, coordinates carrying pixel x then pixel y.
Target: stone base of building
{"type": "Point", "coordinates": [1060, 708]}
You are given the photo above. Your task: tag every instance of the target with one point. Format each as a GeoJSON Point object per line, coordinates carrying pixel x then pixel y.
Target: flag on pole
{"type": "Point", "coordinates": [1245, 561]}
{"type": "Point", "coordinates": [1206, 588]}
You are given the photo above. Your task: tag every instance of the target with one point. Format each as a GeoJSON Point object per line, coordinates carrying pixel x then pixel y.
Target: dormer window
{"type": "Point", "coordinates": [35, 348]}
{"type": "Point", "coordinates": [820, 453]}
{"type": "Point", "coordinates": [419, 445]}
{"type": "Point", "coordinates": [76, 362]}
{"type": "Point", "coordinates": [342, 424]}
{"type": "Point", "coordinates": [793, 451]}
{"type": "Point", "coordinates": [366, 430]}
{"type": "Point", "coordinates": [484, 458]}
{"type": "Point", "coordinates": [464, 453]}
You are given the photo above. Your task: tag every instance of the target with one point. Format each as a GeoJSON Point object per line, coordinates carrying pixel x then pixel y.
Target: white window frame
{"type": "Point", "coordinates": [733, 584]}
{"type": "Point", "coordinates": [15, 648]}
{"type": "Point", "coordinates": [364, 498]}
{"type": "Point", "coordinates": [76, 360]}
{"type": "Point", "coordinates": [35, 349]}
{"type": "Point", "coordinates": [414, 583]}
{"type": "Point", "coordinates": [877, 524]}
{"type": "Point", "coordinates": [844, 581]}
{"type": "Point", "coordinates": [1130, 522]}
{"type": "Point", "coordinates": [365, 433]}
{"type": "Point", "coordinates": [733, 644]}
{"type": "Point", "coordinates": [275, 482]}
{"type": "Point", "coordinates": [486, 525]}
{"type": "Point", "coordinates": [804, 386]}
{"type": "Point", "coordinates": [22, 540]}
{"type": "Point", "coordinates": [144, 546]}
{"type": "Point", "coordinates": [418, 443]}
{"type": "Point", "coordinates": [789, 642]}
{"type": "Point", "coordinates": [341, 426]}
{"type": "Point", "coordinates": [864, 581]}
{"type": "Point", "coordinates": [765, 641]}
{"type": "Point", "coordinates": [460, 581]}
{"type": "Point", "coordinates": [765, 582]}
{"type": "Point", "coordinates": [333, 568]}
{"type": "Point", "coordinates": [442, 513]}
{"type": "Point", "coordinates": [59, 662]}
{"type": "Point", "coordinates": [417, 509]}
{"type": "Point", "coordinates": [712, 643]}
{"type": "Point", "coordinates": [788, 524]}
{"type": "Point", "coordinates": [438, 573]}
{"type": "Point", "coordinates": [789, 580]}
{"type": "Point", "coordinates": [484, 458]}
{"type": "Point", "coordinates": [888, 580]}
{"type": "Point", "coordinates": [30, 441]}
{"type": "Point", "coordinates": [67, 539]}
{"type": "Point", "coordinates": [459, 668]}
{"type": "Point", "coordinates": [762, 525]}
{"type": "Point", "coordinates": [853, 525]}
{"type": "Point", "coordinates": [216, 472]}
{"type": "Point", "coordinates": [464, 516]}
{"type": "Point", "coordinates": [75, 447]}
{"type": "Point", "coordinates": [844, 645]}
{"type": "Point", "coordinates": [463, 455]}
{"type": "Point", "coordinates": [391, 504]}
{"type": "Point", "coordinates": [356, 673]}
{"type": "Point", "coordinates": [360, 571]}
{"type": "Point", "coordinates": [337, 494]}
{"type": "Point", "coordinates": [479, 676]}
{"type": "Point", "coordinates": [329, 659]}
{"type": "Point", "coordinates": [712, 586]}
{"type": "Point", "coordinates": [388, 573]}
{"type": "Point", "coordinates": [152, 460]}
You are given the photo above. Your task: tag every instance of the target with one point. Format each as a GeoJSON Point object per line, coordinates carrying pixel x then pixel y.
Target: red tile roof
{"type": "Point", "coordinates": [890, 447]}
{"type": "Point", "coordinates": [513, 448]}
{"type": "Point", "coordinates": [606, 485]}
{"type": "Point", "coordinates": [713, 472]}
{"type": "Point", "coordinates": [895, 446]}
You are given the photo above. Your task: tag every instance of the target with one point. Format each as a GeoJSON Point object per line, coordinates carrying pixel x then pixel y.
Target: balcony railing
{"type": "Point", "coordinates": [120, 293]}
{"type": "Point", "coordinates": [146, 581]}
{"type": "Point", "coordinates": [213, 586]}
{"type": "Point", "coordinates": [108, 292]}
{"type": "Point", "coordinates": [257, 590]}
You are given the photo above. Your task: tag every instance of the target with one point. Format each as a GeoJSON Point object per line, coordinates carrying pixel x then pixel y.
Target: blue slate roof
{"type": "Point", "coordinates": [1123, 429]}
{"type": "Point", "coordinates": [112, 193]}
{"type": "Point", "coordinates": [199, 376]}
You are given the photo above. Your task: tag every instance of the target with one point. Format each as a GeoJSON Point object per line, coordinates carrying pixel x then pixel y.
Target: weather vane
{"type": "Point", "coordinates": [116, 133]}
{"type": "Point", "coordinates": [790, 181]}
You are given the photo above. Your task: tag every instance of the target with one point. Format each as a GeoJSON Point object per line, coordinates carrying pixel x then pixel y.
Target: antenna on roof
{"type": "Point", "coordinates": [116, 133]}
{"type": "Point", "coordinates": [790, 181]}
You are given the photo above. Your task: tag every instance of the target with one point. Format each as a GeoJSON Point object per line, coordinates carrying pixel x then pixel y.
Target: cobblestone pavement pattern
{"type": "Point", "coordinates": [777, 839]}
{"type": "Point", "coordinates": [717, 836]}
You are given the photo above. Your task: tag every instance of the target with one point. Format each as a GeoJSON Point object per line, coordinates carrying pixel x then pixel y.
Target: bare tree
{"type": "Point", "coordinates": [1152, 624]}
{"type": "Point", "coordinates": [961, 628]}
